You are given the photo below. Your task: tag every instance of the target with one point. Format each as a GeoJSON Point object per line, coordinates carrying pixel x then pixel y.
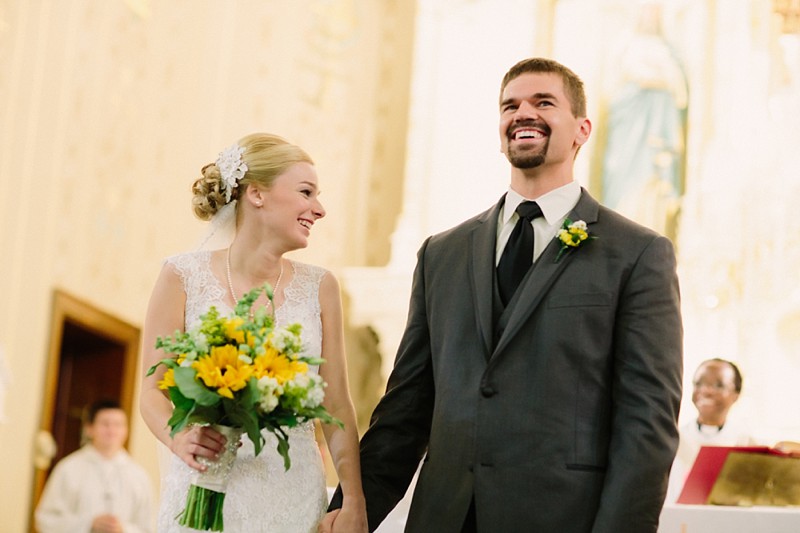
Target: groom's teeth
{"type": "Point", "coordinates": [527, 134]}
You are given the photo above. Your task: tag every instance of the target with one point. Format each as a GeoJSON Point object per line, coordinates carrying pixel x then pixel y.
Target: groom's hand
{"type": "Point", "coordinates": [349, 521]}
{"type": "Point", "coordinates": [326, 526]}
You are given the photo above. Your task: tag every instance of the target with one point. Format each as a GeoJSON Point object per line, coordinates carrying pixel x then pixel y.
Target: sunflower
{"type": "Point", "coordinates": [278, 366]}
{"type": "Point", "coordinates": [223, 370]}
{"type": "Point", "coordinates": [168, 380]}
{"type": "Point", "coordinates": [232, 330]}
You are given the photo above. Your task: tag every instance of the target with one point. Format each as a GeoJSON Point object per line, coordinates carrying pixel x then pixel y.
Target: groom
{"type": "Point", "coordinates": [546, 403]}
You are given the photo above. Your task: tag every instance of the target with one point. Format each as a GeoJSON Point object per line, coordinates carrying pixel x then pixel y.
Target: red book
{"type": "Point", "coordinates": [706, 469]}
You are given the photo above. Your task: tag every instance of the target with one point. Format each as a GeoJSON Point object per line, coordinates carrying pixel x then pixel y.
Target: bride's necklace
{"type": "Point", "coordinates": [230, 281]}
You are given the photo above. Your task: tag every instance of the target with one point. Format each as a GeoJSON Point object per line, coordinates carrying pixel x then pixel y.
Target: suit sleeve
{"type": "Point", "coordinates": [647, 376]}
{"type": "Point", "coordinates": [397, 438]}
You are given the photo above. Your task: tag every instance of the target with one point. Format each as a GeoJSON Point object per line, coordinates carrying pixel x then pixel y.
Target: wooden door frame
{"type": "Point", "coordinates": [70, 309]}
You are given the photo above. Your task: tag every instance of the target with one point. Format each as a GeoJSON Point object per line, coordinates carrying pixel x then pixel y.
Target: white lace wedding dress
{"type": "Point", "coordinates": [261, 496]}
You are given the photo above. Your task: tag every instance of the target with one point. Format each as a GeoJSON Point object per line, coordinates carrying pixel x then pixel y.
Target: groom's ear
{"type": "Point", "coordinates": [584, 130]}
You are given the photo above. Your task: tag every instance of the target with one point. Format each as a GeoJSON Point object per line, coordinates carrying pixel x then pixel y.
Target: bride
{"type": "Point", "coordinates": [264, 190]}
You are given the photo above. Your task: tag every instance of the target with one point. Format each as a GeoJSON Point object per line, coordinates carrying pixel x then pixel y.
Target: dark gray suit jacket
{"type": "Point", "coordinates": [563, 422]}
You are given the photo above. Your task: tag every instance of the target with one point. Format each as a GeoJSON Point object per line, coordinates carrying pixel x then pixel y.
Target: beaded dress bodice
{"type": "Point", "coordinates": [261, 496]}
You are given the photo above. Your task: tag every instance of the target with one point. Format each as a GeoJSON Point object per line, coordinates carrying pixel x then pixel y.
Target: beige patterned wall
{"type": "Point", "coordinates": [109, 108]}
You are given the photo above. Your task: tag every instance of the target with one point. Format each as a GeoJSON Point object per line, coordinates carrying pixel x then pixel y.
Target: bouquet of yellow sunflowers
{"type": "Point", "coordinates": [239, 374]}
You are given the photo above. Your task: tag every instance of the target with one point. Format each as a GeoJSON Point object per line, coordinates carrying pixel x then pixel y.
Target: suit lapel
{"type": "Point", "coordinates": [482, 251]}
{"type": "Point", "coordinates": [541, 277]}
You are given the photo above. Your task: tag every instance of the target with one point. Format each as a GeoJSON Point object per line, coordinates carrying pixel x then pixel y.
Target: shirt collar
{"type": "Point", "coordinates": [555, 205]}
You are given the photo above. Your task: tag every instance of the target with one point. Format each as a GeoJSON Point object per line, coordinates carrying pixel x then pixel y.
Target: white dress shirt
{"type": "Point", "coordinates": [555, 206]}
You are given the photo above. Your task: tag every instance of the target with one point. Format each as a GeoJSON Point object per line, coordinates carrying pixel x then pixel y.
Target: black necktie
{"type": "Point", "coordinates": [518, 254]}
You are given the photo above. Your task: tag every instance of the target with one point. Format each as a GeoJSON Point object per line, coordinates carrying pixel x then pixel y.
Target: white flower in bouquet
{"type": "Point", "coordinates": [286, 340]}
{"type": "Point", "coordinates": [270, 391]}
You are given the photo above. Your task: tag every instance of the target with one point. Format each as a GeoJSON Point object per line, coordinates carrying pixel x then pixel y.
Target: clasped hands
{"type": "Point", "coordinates": [344, 520]}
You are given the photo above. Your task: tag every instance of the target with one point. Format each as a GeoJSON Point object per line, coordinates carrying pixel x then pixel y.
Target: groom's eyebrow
{"type": "Point", "coordinates": [534, 96]}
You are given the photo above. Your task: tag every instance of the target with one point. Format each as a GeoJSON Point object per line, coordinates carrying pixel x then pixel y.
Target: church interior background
{"type": "Point", "coordinates": [108, 109]}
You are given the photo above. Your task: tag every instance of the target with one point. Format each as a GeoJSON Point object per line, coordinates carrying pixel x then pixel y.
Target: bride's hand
{"type": "Point", "coordinates": [197, 441]}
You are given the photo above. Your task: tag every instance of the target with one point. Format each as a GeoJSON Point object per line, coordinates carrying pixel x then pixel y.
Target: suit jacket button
{"type": "Point", "coordinates": [487, 391]}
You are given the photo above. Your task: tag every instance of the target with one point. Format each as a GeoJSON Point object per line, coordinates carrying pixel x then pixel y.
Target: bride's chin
{"type": "Point", "coordinates": [300, 244]}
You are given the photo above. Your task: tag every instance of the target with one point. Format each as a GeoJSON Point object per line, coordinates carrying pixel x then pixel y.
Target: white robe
{"type": "Point", "coordinates": [86, 484]}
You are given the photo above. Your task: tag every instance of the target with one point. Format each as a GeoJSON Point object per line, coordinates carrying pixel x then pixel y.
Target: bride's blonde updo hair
{"type": "Point", "coordinates": [266, 156]}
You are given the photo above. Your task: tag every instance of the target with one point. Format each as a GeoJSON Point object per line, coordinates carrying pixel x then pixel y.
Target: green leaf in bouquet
{"type": "Point", "coordinates": [263, 318]}
{"type": "Point", "coordinates": [180, 414]}
{"type": "Point", "coordinates": [284, 417]}
{"type": "Point", "coordinates": [312, 360]}
{"type": "Point", "coordinates": [248, 396]}
{"type": "Point", "coordinates": [177, 421]}
{"type": "Point", "coordinates": [245, 303]}
{"type": "Point", "coordinates": [178, 342]}
{"type": "Point", "coordinates": [283, 445]}
{"type": "Point", "coordinates": [243, 405]}
{"type": "Point", "coordinates": [245, 418]}
{"type": "Point", "coordinates": [212, 326]}
{"type": "Point", "coordinates": [179, 400]}
{"type": "Point", "coordinates": [168, 362]}
{"type": "Point", "coordinates": [177, 336]}
{"type": "Point", "coordinates": [191, 388]}
{"type": "Point", "coordinates": [323, 415]}
{"type": "Point", "coordinates": [202, 414]}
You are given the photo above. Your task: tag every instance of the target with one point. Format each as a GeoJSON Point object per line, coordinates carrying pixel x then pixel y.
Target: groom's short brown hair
{"type": "Point", "coordinates": [573, 86]}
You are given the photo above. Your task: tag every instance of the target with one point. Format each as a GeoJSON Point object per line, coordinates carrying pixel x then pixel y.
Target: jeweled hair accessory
{"type": "Point", "coordinates": [231, 168]}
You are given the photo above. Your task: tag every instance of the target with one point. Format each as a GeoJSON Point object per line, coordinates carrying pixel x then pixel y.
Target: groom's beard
{"type": "Point", "coordinates": [529, 157]}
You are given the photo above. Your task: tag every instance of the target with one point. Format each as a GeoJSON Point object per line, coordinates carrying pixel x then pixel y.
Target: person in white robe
{"type": "Point", "coordinates": [716, 385]}
{"type": "Point", "coordinates": [98, 488]}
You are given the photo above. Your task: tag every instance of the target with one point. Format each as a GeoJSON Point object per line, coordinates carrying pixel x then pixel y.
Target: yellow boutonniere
{"type": "Point", "coordinates": [572, 235]}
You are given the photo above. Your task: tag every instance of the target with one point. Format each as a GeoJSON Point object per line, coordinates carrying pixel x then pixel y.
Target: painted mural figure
{"type": "Point", "coordinates": [644, 151]}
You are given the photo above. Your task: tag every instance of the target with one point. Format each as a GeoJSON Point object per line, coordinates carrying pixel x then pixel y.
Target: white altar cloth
{"type": "Point", "coordinates": [678, 518]}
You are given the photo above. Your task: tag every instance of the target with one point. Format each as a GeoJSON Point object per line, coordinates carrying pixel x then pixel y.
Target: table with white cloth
{"type": "Point", "coordinates": [679, 518]}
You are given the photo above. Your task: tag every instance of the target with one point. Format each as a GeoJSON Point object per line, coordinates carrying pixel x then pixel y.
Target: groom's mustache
{"type": "Point", "coordinates": [537, 124]}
